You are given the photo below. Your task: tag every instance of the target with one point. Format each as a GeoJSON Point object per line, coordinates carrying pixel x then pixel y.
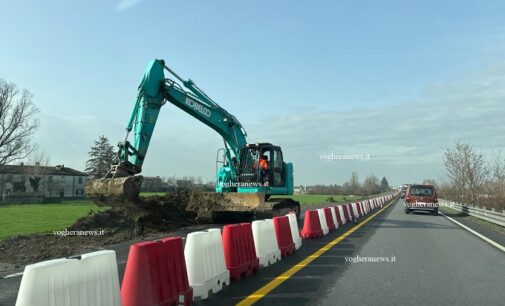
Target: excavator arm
{"type": "Point", "coordinates": [154, 91]}
{"type": "Point", "coordinates": [120, 184]}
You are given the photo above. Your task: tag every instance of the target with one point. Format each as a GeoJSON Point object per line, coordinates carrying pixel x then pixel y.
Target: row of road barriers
{"type": "Point", "coordinates": [319, 222]}
{"type": "Point", "coordinates": [167, 272]}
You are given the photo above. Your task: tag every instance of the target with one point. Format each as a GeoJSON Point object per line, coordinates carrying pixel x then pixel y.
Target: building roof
{"type": "Point", "coordinates": [42, 170]}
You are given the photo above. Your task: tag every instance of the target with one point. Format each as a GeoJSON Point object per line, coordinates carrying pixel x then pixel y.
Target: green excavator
{"type": "Point", "coordinates": [247, 174]}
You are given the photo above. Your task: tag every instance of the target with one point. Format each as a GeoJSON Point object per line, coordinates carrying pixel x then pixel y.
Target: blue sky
{"type": "Point", "coordinates": [399, 80]}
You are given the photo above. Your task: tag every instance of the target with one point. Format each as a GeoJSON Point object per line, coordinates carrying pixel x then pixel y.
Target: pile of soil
{"type": "Point", "coordinates": [154, 214]}
{"type": "Point", "coordinates": [207, 201]}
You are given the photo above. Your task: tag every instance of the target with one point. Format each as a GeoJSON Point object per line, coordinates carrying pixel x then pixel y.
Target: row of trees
{"type": "Point", "coordinates": [371, 185]}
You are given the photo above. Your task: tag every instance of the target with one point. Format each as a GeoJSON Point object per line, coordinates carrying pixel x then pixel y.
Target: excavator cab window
{"type": "Point", "coordinates": [277, 167]}
{"type": "Point", "coordinates": [248, 165]}
{"type": "Point", "coordinates": [262, 164]}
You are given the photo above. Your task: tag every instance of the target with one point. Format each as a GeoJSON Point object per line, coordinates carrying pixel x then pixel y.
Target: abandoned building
{"type": "Point", "coordinates": [33, 183]}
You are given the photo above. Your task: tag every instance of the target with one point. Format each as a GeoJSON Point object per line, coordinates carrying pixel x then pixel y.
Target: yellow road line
{"type": "Point", "coordinates": [260, 293]}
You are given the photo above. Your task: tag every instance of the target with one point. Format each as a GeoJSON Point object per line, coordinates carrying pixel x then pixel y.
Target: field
{"type": "Point", "coordinates": [310, 199]}
{"type": "Point", "coordinates": [28, 219]}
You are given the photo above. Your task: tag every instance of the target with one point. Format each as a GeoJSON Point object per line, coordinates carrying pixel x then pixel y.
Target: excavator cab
{"type": "Point", "coordinates": [261, 166]}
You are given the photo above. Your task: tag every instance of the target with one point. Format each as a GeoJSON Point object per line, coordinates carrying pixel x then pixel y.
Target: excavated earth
{"type": "Point", "coordinates": [154, 214]}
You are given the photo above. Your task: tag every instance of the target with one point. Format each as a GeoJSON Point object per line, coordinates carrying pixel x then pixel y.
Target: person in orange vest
{"type": "Point", "coordinates": [263, 165]}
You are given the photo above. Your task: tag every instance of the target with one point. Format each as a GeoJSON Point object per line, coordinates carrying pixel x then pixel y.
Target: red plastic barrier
{"type": "Point", "coordinates": [284, 237]}
{"type": "Point", "coordinates": [359, 207]}
{"type": "Point", "coordinates": [311, 225]}
{"type": "Point", "coordinates": [351, 211]}
{"type": "Point", "coordinates": [239, 252]}
{"type": "Point", "coordinates": [156, 274]}
{"type": "Point", "coordinates": [348, 216]}
{"type": "Point", "coordinates": [329, 219]}
{"type": "Point", "coordinates": [339, 217]}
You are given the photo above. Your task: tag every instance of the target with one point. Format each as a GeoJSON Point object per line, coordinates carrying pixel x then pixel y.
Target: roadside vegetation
{"type": "Point", "coordinates": [370, 186]}
{"type": "Point", "coordinates": [26, 219]}
{"type": "Point", "coordinates": [455, 213]}
{"type": "Point", "coordinates": [311, 199]}
{"type": "Point", "coordinates": [472, 177]}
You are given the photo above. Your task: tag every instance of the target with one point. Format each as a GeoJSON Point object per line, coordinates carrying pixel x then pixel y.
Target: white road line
{"type": "Point", "coordinates": [492, 242]}
{"type": "Point", "coordinates": [14, 275]}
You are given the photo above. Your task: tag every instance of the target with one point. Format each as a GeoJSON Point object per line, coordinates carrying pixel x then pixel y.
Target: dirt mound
{"type": "Point", "coordinates": [155, 214]}
{"type": "Point", "coordinates": [207, 201]}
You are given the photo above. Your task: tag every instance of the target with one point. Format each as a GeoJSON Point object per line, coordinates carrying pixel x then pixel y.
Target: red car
{"type": "Point", "coordinates": [421, 197]}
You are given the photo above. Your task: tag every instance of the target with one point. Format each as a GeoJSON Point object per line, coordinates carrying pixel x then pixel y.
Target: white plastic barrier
{"type": "Point", "coordinates": [341, 213]}
{"type": "Point", "coordinates": [295, 232]}
{"type": "Point", "coordinates": [355, 210]}
{"type": "Point", "coordinates": [205, 263]}
{"type": "Point", "coordinates": [322, 220]}
{"type": "Point", "coordinates": [362, 207]}
{"type": "Point", "coordinates": [90, 280]}
{"type": "Point", "coordinates": [334, 216]}
{"type": "Point", "coordinates": [365, 206]}
{"type": "Point", "coordinates": [265, 242]}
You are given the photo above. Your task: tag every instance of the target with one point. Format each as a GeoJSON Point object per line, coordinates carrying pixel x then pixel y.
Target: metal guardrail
{"type": "Point", "coordinates": [484, 214]}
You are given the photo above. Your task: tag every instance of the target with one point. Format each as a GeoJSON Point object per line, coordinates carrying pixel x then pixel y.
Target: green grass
{"type": "Point", "coordinates": [26, 219]}
{"type": "Point", "coordinates": [310, 199]}
{"type": "Point", "coordinates": [148, 194]}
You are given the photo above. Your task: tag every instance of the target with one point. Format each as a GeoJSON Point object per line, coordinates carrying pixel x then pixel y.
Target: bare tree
{"type": "Point", "coordinates": [37, 161]}
{"type": "Point", "coordinates": [371, 185]}
{"type": "Point", "coordinates": [431, 182]}
{"type": "Point", "coordinates": [497, 180]}
{"type": "Point", "coordinates": [17, 123]}
{"type": "Point", "coordinates": [354, 184]}
{"type": "Point", "coordinates": [467, 172]}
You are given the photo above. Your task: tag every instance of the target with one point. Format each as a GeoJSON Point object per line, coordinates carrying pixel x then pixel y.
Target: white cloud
{"type": "Point", "coordinates": [405, 141]}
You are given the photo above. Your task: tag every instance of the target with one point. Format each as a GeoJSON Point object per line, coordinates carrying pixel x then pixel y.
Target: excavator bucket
{"type": "Point", "coordinates": [115, 192]}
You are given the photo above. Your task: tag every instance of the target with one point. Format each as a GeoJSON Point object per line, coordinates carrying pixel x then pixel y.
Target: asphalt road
{"type": "Point", "coordinates": [435, 262]}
